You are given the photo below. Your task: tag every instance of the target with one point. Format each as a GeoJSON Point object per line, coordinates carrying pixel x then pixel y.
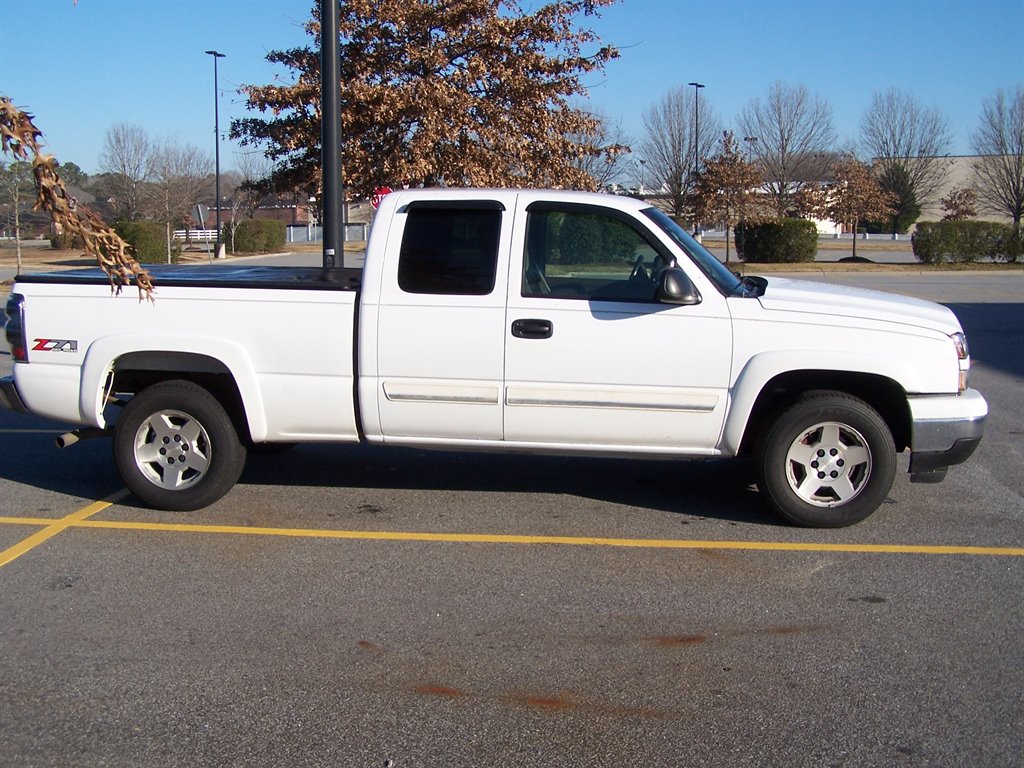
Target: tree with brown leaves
{"type": "Point", "coordinates": [960, 204]}
{"type": "Point", "coordinates": [727, 188]}
{"type": "Point", "coordinates": [20, 137]}
{"type": "Point", "coordinates": [855, 195]}
{"type": "Point", "coordinates": [460, 93]}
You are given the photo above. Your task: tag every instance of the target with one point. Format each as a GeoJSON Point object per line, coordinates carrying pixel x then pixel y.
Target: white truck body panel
{"type": "Point", "coordinates": [540, 353]}
{"type": "Point", "coordinates": [280, 372]}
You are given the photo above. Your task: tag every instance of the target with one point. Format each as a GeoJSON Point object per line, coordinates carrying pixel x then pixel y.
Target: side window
{"type": "Point", "coordinates": [450, 251]}
{"type": "Point", "coordinates": [587, 255]}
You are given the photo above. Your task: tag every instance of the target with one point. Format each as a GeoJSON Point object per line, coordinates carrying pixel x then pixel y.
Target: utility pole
{"type": "Point", "coordinates": [216, 144]}
{"type": "Point", "coordinates": [696, 141]}
{"type": "Point", "coordinates": [330, 133]}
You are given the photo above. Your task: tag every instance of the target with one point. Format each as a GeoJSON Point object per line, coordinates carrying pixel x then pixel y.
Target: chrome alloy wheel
{"type": "Point", "coordinates": [172, 450]}
{"type": "Point", "coordinates": [828, 464]}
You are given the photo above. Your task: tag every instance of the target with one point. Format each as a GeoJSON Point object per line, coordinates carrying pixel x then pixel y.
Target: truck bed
{"type": "Point", "coordinates": [217, 276]}
{"type": "Point", "coordinates": [283, 336]}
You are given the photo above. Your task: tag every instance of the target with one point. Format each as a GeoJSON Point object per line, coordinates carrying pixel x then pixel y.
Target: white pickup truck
{"type": "Point", "coordinates": [540, 321]}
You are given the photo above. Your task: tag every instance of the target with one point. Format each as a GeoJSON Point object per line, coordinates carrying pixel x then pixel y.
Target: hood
{"type": "Point", "coordinates": [788, 295]}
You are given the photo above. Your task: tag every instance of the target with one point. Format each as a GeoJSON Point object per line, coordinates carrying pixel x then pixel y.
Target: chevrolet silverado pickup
{"type": "Point", "coordinates": [518, 320]}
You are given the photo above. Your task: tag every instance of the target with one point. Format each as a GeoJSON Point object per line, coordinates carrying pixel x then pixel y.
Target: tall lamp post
{"type": "Point", "coordinates": [751, 146]}
{"type": "Point", "coordinates": [751, 150]}
{"type": "Point", "coordinates": [696, 139]}
{"type": "Point", "coordinates": [216, 143]}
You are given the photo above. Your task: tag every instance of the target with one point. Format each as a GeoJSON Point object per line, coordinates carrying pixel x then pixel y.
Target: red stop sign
{"type": "Point", "coordinates": [378, 195]}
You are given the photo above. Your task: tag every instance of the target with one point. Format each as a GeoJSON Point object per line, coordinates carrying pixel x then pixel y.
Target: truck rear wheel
{"type": "Point", "coordinates": [827, 462]}
{"type": "Point", "coordinates": [176, 447]}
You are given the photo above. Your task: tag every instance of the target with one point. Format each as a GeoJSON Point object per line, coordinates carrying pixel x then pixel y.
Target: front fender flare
{"type": "Point", "coordinates": [761, 369]}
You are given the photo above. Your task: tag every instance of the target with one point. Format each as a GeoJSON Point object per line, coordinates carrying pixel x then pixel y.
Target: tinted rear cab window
{"type": "Point", "coordinates": [450, 250]}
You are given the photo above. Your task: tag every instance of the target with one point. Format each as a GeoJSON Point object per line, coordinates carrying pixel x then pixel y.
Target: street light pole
{"type": "Point", "coordinates": [216, 143]}
{"type": "Point", "coordinates": [696, 140]}
{"type": "Point", "coordinates": [751, 146]}
{"type": "Point", "coordinates": [332, 214]}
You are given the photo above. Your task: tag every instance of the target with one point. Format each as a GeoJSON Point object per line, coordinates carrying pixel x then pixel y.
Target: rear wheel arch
{"type": "Point", "coordinates": [135, 372]}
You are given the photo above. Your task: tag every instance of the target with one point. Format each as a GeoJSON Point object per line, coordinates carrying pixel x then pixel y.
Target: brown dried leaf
{"type": "Point", "coordinates": [20, 137]}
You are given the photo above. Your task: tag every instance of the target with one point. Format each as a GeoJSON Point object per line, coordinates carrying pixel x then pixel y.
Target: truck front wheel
{"type": "Point", "coordinates": [827, 462]}
{"type": "Point", "coordinates": [176, 447]}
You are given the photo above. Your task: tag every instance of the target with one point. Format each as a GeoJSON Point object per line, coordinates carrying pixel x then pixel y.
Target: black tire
{"type": "Point", "coordinates": [176, 447]}
{"type": "Point", "coordinates": [827, 461]}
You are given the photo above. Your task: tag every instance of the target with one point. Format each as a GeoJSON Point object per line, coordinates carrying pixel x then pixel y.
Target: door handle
{"type": "Point", "coordinates": [532, 329]}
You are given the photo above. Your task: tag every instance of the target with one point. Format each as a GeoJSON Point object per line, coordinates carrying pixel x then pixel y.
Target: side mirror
{"type": "Point", "coordinates": [674, 287]}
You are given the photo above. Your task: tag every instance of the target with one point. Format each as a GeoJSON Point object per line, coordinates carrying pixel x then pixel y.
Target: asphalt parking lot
{"type": "Point", "coordinates": [349, 606]}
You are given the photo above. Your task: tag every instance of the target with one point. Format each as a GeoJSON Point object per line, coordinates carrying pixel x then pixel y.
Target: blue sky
{"type": "Point", "coordinates": [80, 68]}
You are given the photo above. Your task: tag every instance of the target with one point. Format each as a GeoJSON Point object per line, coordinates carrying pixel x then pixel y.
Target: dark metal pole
{"type": "Point", "coordinates": [330, 131]}
{"type": "Point", "coordinates": [696, 143]}
{"type": "Point", "coordinates": [216, 144]}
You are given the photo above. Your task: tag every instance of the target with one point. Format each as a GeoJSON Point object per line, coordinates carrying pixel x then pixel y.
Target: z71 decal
{"type": "Point", "coordinates": [55, 345]}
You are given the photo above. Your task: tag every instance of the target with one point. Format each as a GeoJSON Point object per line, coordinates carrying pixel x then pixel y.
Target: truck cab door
{"type": "Point", "coordinates": [439, 350]}
{"type": "Point", "coordinates": [593, 359]}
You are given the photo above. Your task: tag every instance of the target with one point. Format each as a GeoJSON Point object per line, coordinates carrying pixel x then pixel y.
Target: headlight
{"type": "Point", "coordinates": [960, 343]}
{"type": "Point", "coordinates": [963, 355]}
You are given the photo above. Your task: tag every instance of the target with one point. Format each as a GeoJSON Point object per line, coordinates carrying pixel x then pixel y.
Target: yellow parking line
{"type": "Point", "coordinates": [53, 527]}
{"type": "Point", "coordinates": [483, 538]}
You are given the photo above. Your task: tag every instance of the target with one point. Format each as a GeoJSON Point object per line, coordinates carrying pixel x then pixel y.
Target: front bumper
{"type": "Point", "coordinates": [9, 397]}
{"type": "Point", "coordinates": [945, 430]}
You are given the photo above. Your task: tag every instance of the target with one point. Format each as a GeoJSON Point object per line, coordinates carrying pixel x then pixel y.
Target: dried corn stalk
{"type": "Point", "coordinates": [20, 137]}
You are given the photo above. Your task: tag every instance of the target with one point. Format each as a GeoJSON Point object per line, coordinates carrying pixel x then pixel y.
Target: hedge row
{"type": "Point", "coordinates": [149, 239]}
{"type": "Point", "coordinates": [258, 236]}
{"type": "Point", "coordinates": [777, 242]}
{"type": "Point", "coordinates": [963, 242]}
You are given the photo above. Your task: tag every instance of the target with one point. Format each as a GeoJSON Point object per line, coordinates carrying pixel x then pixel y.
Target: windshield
{"type": "Point", "coordinates": [715, 271]}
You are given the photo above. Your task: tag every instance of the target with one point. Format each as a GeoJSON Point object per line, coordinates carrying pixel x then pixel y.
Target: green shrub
{"type": "Point", "coordinates": [965, 242]}
{"type": "Point", "coordinates": [896, 181]}
{"type": "Point", "coordinates": [66, 241]}
{"type": "Point", "coordinates": [259, 236]}
{"type": "Point", "coordinates": [1013, 247]}
{"type": "Point", "coordinates": [149, 240]}
{"type": "Point", "coordinates": [787, 241]}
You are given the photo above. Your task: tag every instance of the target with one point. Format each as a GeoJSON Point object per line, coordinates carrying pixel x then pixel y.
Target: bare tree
{"type": "Point", "coordinates": [909, 145]}
{"type": "Point", "coordinates": [793, 131]}
{"type": "Point", "coordinates": [670, 134]}
{"type": "Point", "coordinates": [178, 177]}
{"type": "Point", "coordinates": [125, 159]}
{"type": "Point", "coordinates": [605, 165]}
{"type": "Point", "coordinates": [17, 191]}
{"type": "Point", "coordinates": [999, 172]}
{"type": "Point", "coordinates": [248, 188]}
